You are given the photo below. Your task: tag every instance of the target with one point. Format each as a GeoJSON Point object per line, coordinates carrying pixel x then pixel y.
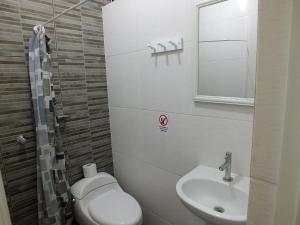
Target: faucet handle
{"type": "Point", "coordinates": [228, 155]}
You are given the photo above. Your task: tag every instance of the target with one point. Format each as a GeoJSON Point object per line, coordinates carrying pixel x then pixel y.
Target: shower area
{"type": "Point", "coordinates": [73, 48]}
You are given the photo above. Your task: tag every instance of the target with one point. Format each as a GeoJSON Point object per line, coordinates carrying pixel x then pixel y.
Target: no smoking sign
{"type": "Point", "coordinates": [163, 122]}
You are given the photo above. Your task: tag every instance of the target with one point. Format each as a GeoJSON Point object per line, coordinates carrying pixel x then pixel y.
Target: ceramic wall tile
{"type": "Point", "coordinates": [80, 86]}
{"type": "Point", "coordinates": [124, 80]}
{"type": "Point", "coordinates": [149, 190]}
{"type": "Point", "coordinates": [122, 24]}
{"type": "Point", "coordinates": [141, 86]}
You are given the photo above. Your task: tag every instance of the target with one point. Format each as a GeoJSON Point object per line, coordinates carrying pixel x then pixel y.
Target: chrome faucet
{"type": "Point", "coordinates": [227, 167]}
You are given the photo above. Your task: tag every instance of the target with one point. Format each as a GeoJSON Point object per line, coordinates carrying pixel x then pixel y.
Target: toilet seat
{"type": "Point", "coordinates": [115, 207]}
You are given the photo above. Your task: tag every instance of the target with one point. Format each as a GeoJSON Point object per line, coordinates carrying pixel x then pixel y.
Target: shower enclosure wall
{"type": "Point", "coordinates": [4, 214]}
{"type": "Point", "coordinates": [80, 87]}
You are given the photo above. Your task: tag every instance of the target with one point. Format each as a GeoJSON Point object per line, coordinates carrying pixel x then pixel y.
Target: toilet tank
{"type": "Point", "coordinates": [84, 186]}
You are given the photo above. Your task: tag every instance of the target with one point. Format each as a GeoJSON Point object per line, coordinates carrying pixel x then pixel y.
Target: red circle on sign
{"type": "Point", "coordinates": [163, 120]}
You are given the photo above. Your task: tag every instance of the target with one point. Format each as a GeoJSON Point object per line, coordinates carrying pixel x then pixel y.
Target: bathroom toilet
{"type": "Point", "coordinates": [100, 200]}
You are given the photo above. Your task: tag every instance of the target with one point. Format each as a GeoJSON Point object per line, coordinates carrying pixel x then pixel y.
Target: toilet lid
{"type": "Point", "coordinates": [115, 207]}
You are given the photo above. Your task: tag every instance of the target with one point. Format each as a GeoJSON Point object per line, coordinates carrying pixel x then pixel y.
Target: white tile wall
{"type": "Point", "coordinates": [124, 79]}
{"type": "Point", "coordinates": [155, 190]}
{"type": "Point", "coordinates": [147, 162]}
{"type": "Point", "coordinates": [190, 140]}
{"type": "Point", "coordinates": [167, 81]}
{"type": "Point", "coordinates": [124, 37]}
{"type": "Point", "coordinates": [164, 19]}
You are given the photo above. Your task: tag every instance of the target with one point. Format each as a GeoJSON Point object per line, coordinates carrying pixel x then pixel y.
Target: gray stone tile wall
{"type": "Point", "coordinates": [80, 86]}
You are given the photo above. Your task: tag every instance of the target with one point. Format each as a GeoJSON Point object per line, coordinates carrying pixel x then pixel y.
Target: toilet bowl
{"type": "Point", "coordinates": [100, 200]}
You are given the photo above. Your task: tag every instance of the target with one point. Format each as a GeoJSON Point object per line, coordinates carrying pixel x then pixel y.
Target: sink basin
{"type": "Point", "coordinates": [205, 193]}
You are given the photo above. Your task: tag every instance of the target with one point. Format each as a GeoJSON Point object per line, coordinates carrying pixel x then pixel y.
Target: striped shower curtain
{"type": "Point", "coordinates": [54, 200]}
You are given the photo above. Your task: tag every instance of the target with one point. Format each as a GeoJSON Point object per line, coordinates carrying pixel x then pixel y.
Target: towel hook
{"type": "Point", "coordinates": [162, 45]}
{"type": "Point", "coordinates": [151, 47]}
{"type": "Point", "coordinates": [173, 43]}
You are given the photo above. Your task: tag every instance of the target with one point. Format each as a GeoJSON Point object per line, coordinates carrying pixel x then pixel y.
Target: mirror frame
{"type": "Point", "coordinates": [210, 98]}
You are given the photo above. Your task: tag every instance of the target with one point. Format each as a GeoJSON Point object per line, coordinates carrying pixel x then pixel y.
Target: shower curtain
{"type": "Point", "coordinates": [54, 200]}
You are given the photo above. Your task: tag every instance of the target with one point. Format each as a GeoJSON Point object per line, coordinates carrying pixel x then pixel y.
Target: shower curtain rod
{"type": "Point", "coordinates": [64, 12]}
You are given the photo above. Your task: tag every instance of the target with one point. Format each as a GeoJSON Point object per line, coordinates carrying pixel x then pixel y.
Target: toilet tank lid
{"type": "Point", "coordinates": [84, 186]}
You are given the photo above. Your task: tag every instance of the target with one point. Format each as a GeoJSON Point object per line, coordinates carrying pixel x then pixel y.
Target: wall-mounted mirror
{"type": "Point", "coordinates": [227, 42]}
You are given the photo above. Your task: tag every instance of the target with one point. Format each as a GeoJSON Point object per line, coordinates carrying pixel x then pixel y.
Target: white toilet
{"type": "Point", "coordinates": [100, 200]}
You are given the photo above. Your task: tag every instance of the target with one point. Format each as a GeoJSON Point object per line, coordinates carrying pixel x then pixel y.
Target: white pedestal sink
{"type": "Point", "coordinates": [205, 193]}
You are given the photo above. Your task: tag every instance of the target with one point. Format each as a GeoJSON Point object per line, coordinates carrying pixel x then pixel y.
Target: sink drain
{"type": "Point", "coordinates": [219, 209]}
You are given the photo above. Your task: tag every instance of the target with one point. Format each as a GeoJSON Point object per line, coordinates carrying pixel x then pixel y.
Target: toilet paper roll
{"type": "Point", "coordinates": [89, 170]}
